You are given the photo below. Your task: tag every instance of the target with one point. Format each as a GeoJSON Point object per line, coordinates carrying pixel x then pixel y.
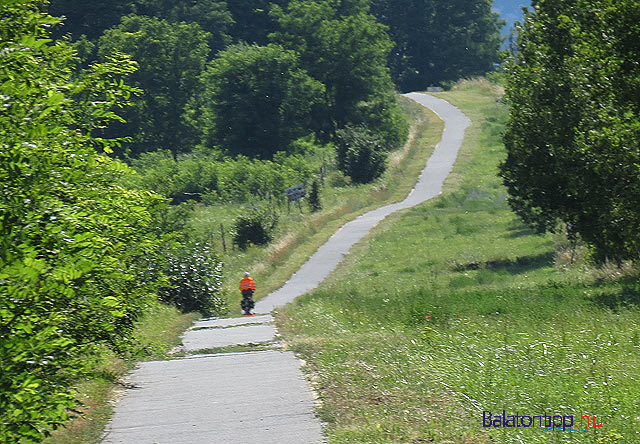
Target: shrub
{"type": "Point", "coordinates": [201, 177]}
{"type": "Point", "coordinates": [256, 228]}
{"type": "Point", "coordinates": [314, 196]}
{"type": "Point", "coordinates": [361, 154]}
{"type": "Point", "coordinates": [195, 277]}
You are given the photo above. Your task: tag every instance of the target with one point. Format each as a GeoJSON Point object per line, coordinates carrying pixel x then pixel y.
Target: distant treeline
{"type": "Point", "coordinates": [251, 77]}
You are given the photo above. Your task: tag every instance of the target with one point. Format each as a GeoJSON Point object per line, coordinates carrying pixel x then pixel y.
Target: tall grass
{"type": "Point", "coordinates": [455, 308]}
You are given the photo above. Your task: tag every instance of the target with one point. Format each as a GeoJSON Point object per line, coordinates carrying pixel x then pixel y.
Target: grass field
{"type": "Point", "coordinates": [455, 308]}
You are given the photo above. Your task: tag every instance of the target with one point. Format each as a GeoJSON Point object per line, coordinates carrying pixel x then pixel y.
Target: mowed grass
{"type": "Point", "coordinates": [455, 308]}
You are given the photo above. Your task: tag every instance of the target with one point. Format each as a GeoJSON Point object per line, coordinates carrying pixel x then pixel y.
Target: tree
{"type": "Point", "coordinates": [170, 58]}
{"type": "Point", "coordinates": [255, 100]}
{"type": "Point", "coordinates": [341, 45]}
{"type": "Point", "coordinates": [213, 16]}
{"type": "Point", "coordinates": [439, 41]}
{"type": "Point", "coordinates": [574, 125]}
{"type": "Point", "coordinates": [361, 154]}
{"type": "Point", "coordinates": [88, 18]}
{"type": "Point", "coordinates": [75, 248]}
{"type": "Point", "coordinates": [91, 19]}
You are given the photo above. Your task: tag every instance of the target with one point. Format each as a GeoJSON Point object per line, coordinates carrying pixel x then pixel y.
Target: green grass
{"type": "Point", "coordinates": [454, 308]}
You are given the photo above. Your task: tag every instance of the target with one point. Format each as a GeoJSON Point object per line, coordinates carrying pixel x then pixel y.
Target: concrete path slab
{"type": "Point", "coordinates": [221, 323]}
{"type": "Point", "coordinates": [194, 340]}
{"type": "Point", "coordinates": [243, 398]}
{"type": "Point", "coordinates": [257, 397]}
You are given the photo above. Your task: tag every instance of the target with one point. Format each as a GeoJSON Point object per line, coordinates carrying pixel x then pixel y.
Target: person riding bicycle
{"type": "Point", "coordinates": [247, 287]}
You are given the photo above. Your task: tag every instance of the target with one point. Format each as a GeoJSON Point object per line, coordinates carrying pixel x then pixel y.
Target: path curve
{"type": "Point", "coordinates": [429, 185]}
{"type": "Point", "coordinates": [256, 397]}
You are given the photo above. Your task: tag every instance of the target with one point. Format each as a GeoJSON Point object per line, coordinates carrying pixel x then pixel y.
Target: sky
{"type": "Point", "coordinates": [510, 10]}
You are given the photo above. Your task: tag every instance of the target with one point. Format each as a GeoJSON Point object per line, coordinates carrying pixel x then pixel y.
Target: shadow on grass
{"type": "Point", "coordinates": [626, 295]}
{"type": "Point", "coordinates": [519, 229]}
{"type": "Point", "coordinates": [513, 266]}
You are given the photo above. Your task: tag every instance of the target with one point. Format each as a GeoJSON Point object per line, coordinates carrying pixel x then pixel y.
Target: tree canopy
{"type": "Point", "coordinates": [439, 41]}
{"type": "Point", "coordinates": [170, 57]}
{"type": "Point", "coordinates": [255, 101]}
{"type": "Point", "coordinates": [341, 45]}
{"type": "Point", "coordinates": [574, 125]}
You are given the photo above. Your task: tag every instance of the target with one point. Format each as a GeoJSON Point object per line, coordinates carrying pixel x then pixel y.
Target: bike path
{"type": "Point", "coordinates": [256, 397]}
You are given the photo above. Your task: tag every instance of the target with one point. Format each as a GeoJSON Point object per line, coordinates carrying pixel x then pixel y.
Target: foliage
{"type": "Point", "coordinates": [89, 20]}
{"type": "Point", "coordinates": [439, 41]}
{"type": "Point", "coordinates": [314, 197]}
{"type": "Point", "coordinates": [361, 155]}
{"type": "Point", "coordinates": [76, 250]}
{"type": "Point", "coordinates": [195, 280]}
{"type": "Point", "coordinates": [212, 16]}
{"type": "Point", "coordinates": [170, 57]}
{"type": "Point", "coordinates": [204, 178]}
{"type": "Point", "coordinates": [341, 45]}
{"type": "Point", "coordinates": [256, 227]}
{"type": "Point", "coordinates": [255, 101]}
{"type": "Point", "coordinates": [572, 135]}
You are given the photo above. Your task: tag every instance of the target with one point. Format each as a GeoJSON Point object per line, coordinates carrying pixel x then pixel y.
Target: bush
{"type": "Point", "coordinates": [361, 154]}
{"type": "Point", "coordinates": [197, 177]}
{"type": "Point", "coordinates": [76, 249]}
{"type": "Point", "coordinates": [384, 117]}
{"type": "Point", "coordinates": [256, 228]}
{"type": "Point", "coordinates": [195, 277]}
{"type": "Point", "coordinates": [314, 196]}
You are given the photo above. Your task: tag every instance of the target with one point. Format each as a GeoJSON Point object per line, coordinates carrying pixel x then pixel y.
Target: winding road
{"type": "Point", "coordinates": [257, 397]}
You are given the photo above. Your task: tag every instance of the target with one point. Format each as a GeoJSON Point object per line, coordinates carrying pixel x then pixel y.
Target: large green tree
{"type": "Point", "coordinates": [74, 246]}
{"type": "Point", "coordinates": [343, 46]}
{"type": "Point", "coordinates": [170, 58]}
{"type": "Point", "coordinates": [439, 41]}
{"type": "Point", "coordinates": [255, 100]}
{"type": "Point", "coordinates": [574, 126]}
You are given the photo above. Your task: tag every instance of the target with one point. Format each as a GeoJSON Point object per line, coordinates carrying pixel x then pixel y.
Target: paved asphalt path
{"type": "Point", "coordinates": [257, 397]}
